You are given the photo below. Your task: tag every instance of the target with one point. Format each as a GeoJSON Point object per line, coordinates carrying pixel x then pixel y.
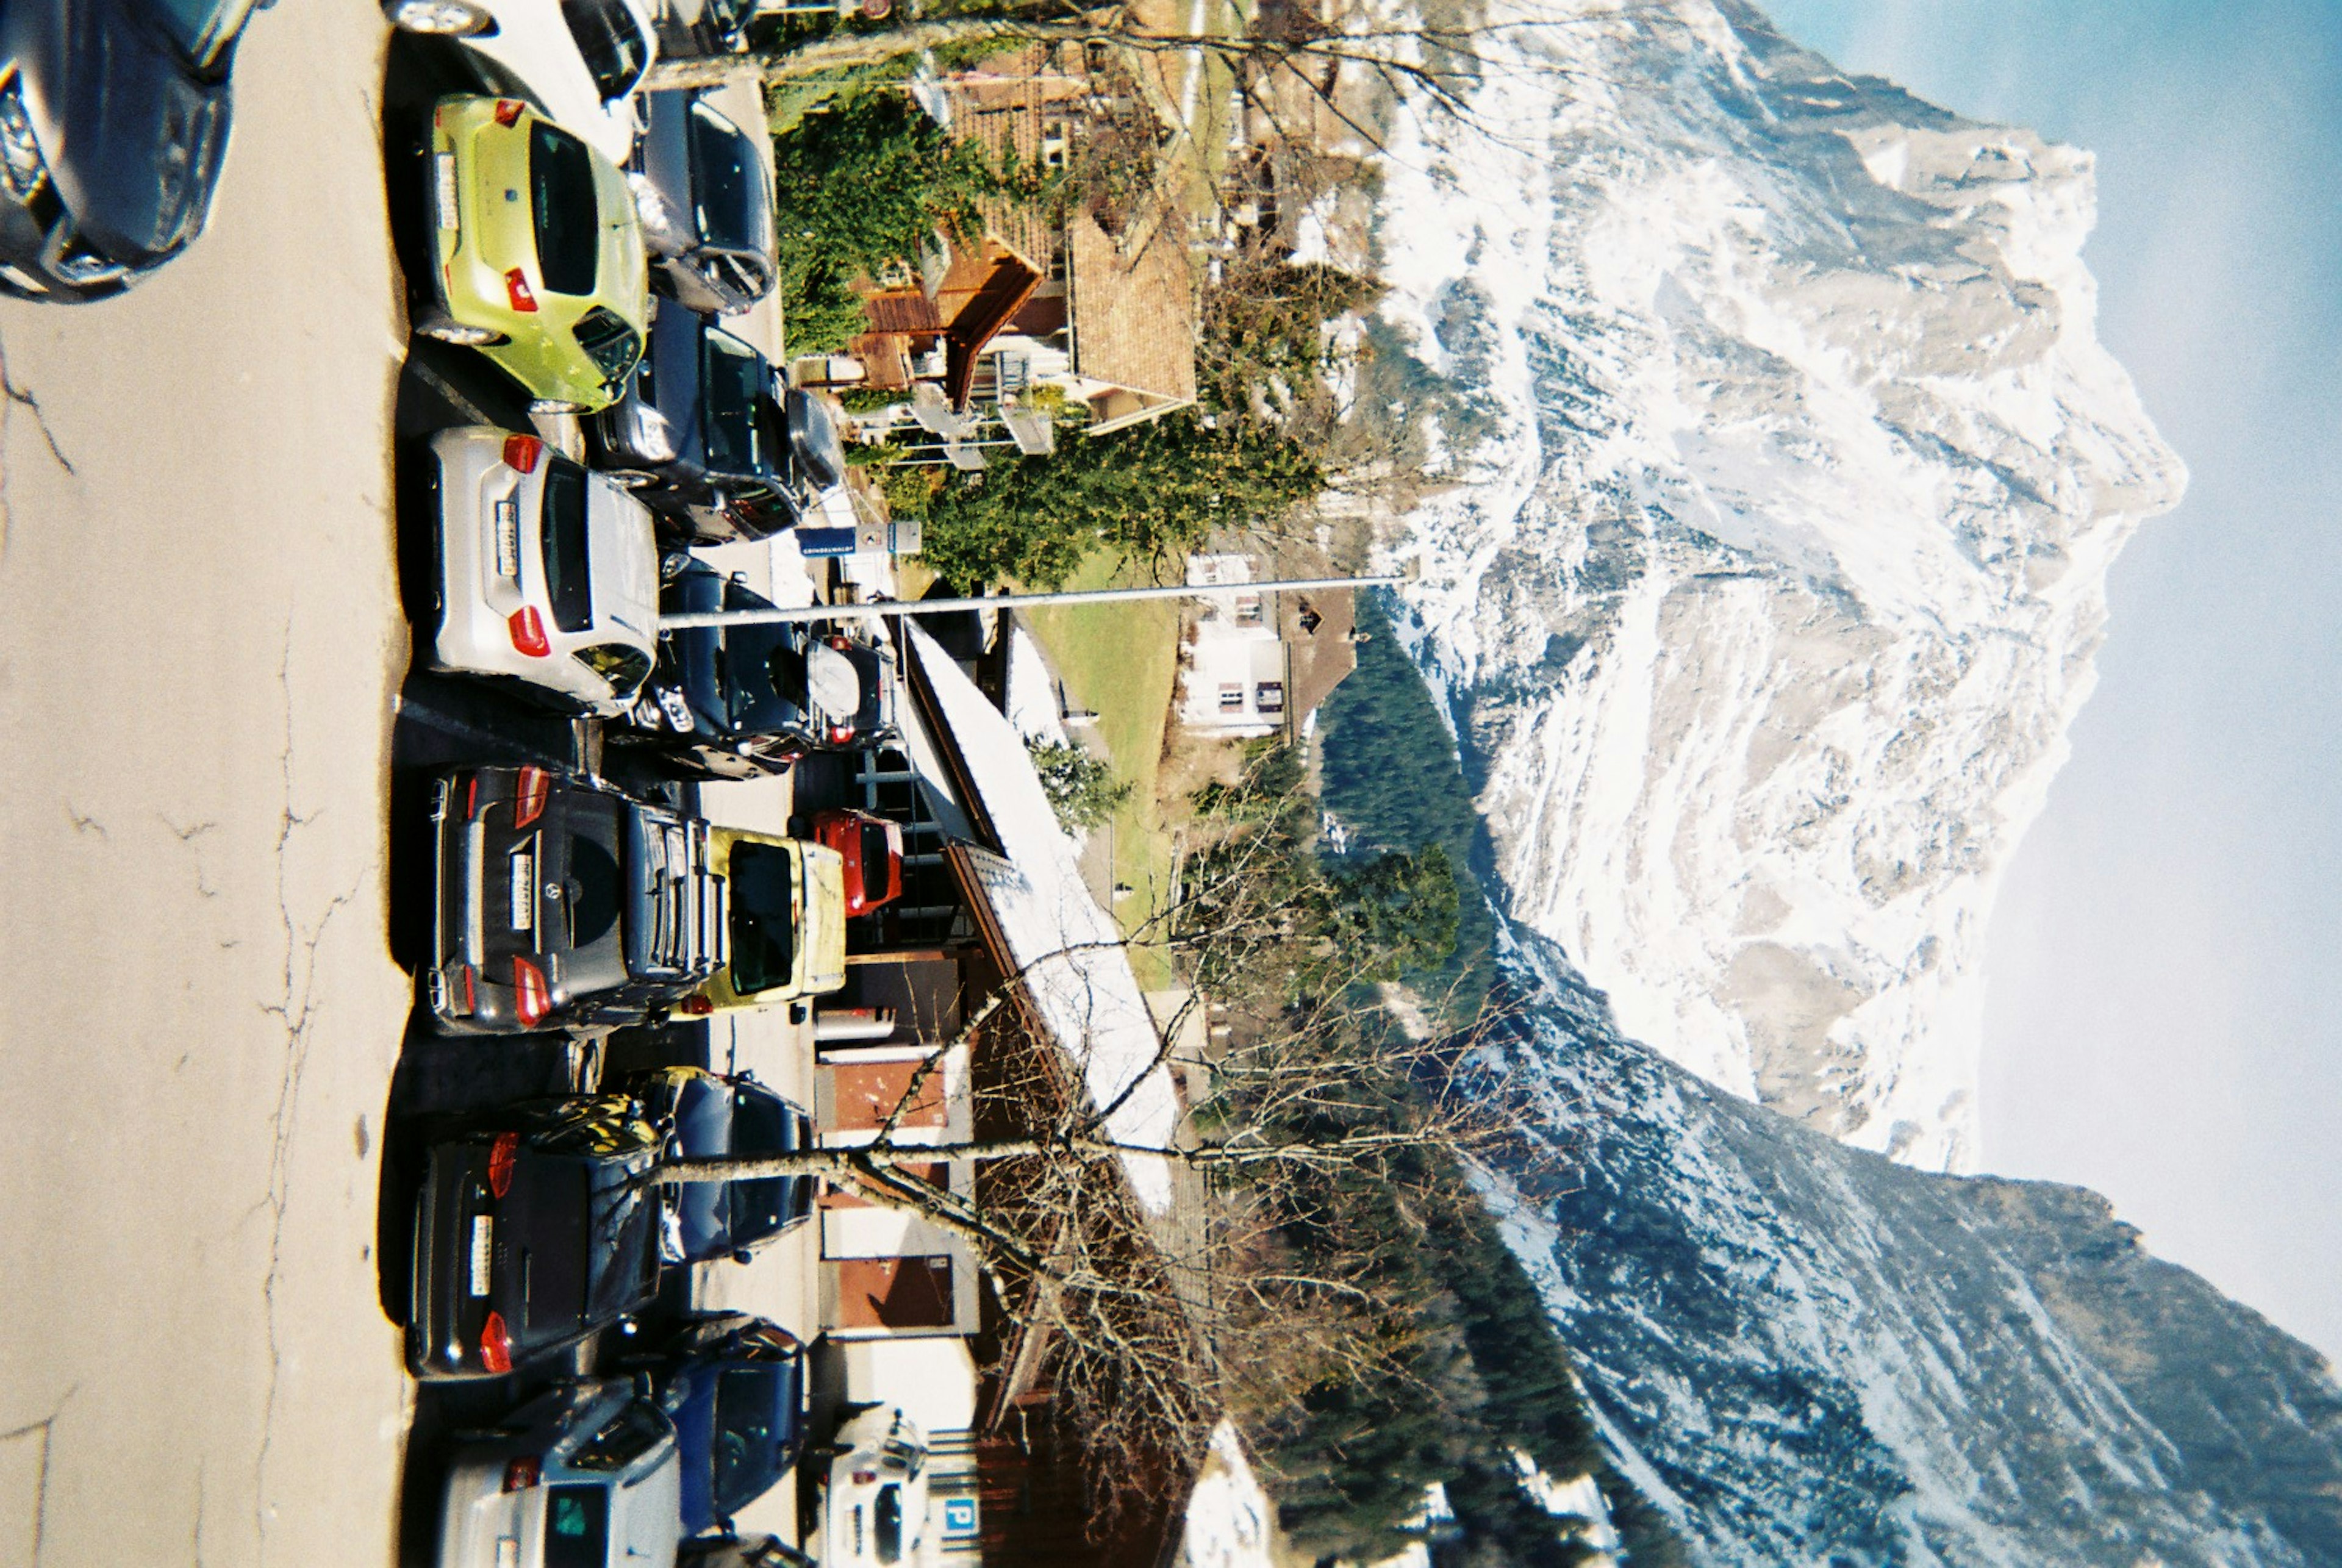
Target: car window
{"type": "Point", "coordinates": [611, 345]}
{"type": "Point", "coordinates": [726, 178]}
{"type": "Point", "coordinates": [629, 1436]}
{"type": "Point", "coordinates": [874, 857]}
{"type": "Point", "coordinates": [887, 1524]}
{"type": "Point", "coordinates": [622, 667]}
{"type": "Point", "coordinates": [577, 1526]}
{"type": "Point", "coordinates": [615, 51]}
{"type": "Point", "coordinates": [566, 583]}
{"type": "Point", "coordinates": [733, 378]}
{"type": "Point", "coordinates": [593, 891]}
{"type": "Point", "coordinates": [568, 218]}
{"type": "Point", "coordinates": [747, 1441]}
{"type": "Point", "coordinates": [763, 925]}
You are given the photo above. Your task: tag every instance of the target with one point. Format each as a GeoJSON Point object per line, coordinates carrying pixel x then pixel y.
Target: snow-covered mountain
{"type": "Point", "coordinates": [1807, 1354]}
{"type": "Point", "coordinates": [1789, 471]}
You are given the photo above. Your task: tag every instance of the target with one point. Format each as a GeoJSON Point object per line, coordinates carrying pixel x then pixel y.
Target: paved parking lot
{"type": "Point", "coordinates": [203, 678]}
{"type": "Point", "coordinates": [199, 639]}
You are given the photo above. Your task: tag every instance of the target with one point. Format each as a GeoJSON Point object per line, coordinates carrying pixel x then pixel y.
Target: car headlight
{"type": "Point", "coordinates": [22, 167]}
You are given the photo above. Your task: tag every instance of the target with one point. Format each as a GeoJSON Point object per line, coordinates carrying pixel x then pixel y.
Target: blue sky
{"type": "Point", "coordinates": [2164, 1012]}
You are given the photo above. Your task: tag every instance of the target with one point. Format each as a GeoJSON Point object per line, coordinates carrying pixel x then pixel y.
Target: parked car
{"type": "Point", "coordinates": [787, 937]}
{"type": "Point", "coordinates": [587, 1474]}
{"type": "Point", "coordinates": [113, 123]}
{"type": "Point", "coordinates": [746, 701]}
{"type": "Point", "coordinates": [704, 1116]}
{"type": "Point", "coordinates": [539, 254]}
{"type": "Point", "coordinates": [697, 430]}
{"type": "Point", "coordinates": [534, 1228]}
{"type": "Point", "coordinates": [562, 901]}
{"type": "Point", "coordinates": [735, 1386]}
{"type": "Point", "coordinates": [548, 578]}
{"type": "Point", "coordinates": [810, 475]}
{"type": "Point", "coordinates": [872, 850]}
{"type": "Point", "coordinates": [730, 1551]}
{"type": "Point", "coordinates": [878, 1491]}
{"type": "Point", "coordinates": [706, 205]}
{"type": "Point", "coordinates": [579, 60]}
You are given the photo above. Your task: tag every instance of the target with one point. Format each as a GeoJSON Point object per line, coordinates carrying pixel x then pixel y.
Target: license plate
{"type": "Point", "coordinates": [508, 538]}
{"type": "Point", "coordinates": [524, 892]}
{"type": "Point", "coordinates": [444, 188]}
{"type": "Point", "coordinates": [484, 1251]}
{"type": "Point", "coordinates": [508, 1552]}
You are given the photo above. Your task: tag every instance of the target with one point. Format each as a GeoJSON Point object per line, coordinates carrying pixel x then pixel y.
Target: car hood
{"type": "Point", "coordinates": [134, 134]}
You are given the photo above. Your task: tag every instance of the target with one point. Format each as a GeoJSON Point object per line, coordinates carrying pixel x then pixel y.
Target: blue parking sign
{"type": "Point", "coordinates": [959, 1517]}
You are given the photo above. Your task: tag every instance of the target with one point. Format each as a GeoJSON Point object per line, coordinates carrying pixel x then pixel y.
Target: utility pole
{"type": "Point", "coordinates": [877, 609]}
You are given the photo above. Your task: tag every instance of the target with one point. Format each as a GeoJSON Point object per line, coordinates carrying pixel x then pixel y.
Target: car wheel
{"type": "Point", "coordinates": [447, 329]}
{"type": "Point", "coordinates": [448, 18]}
{"type": "Point", "coordinates": [555, 405]}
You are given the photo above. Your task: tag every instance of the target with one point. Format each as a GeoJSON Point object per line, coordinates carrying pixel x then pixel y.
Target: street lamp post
{"type": "Point", "coordinates": [878, 608]}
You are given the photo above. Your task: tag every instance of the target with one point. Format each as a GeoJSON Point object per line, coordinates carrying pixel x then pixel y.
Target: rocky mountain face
{"type": "Point", "coordinates": [1787, 471]}
{"type": "Point", "coordinates": [1806, 1353]}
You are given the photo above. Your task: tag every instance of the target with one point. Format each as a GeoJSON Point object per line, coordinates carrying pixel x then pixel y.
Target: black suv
{"type": "Point", "coordinates": [741, 702]}
{"type": "Point", "coordinates": [562, 901]}
{"type": "Point", "coordinates": [535, 1226]}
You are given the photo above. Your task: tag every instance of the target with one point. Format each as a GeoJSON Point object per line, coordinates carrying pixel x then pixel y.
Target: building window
{"type": "Point", "coordinates": [1231, 697]}
{"type": "Point", "coordinates": [1247, 610]}
{"type": "Point", "coordinates": [1269, 697]}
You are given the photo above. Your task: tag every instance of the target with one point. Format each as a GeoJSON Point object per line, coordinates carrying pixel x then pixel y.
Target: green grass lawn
{"type": "Point", "coordinates": [1121, 661]}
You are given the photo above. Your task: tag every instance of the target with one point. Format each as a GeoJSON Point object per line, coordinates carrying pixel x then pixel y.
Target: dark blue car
{"type": "Point", "coordinates": [704, 1116]}
{"type": "Point", "coordinates": [114, 122]}
{"type": "Point", "coordinates": [735, 1387]}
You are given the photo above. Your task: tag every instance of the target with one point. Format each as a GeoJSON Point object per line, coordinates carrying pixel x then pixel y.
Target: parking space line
{"type": "Point", "coordinates": [446, 389]}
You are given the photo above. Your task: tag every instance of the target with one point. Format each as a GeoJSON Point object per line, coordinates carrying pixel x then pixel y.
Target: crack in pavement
{"type": "Point", "coordinates": [47, 1427]}
{"type": "Point", "coordinates": [82, 823]}
{"type": "Point", "coordinates": [187, 836]}
{"type": "Point", "coordinates": [294, 1010]}
{"type": "Point", "coordinates": [11, 398]}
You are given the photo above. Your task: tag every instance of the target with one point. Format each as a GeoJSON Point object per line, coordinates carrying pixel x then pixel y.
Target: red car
{"type": "Point", "coordinates": [873, 848]}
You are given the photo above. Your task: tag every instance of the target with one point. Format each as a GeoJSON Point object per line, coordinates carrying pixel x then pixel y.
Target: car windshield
{"type": "Point", "coordinates": [615, 51]}
{"type": "Point", "coordinates": [577, 1526]}
{"type": "Point", "coordinates": [612, 345]}
{"type": "Point", "coordinates": [568, 218]}
{"type": "Point", "coordinates": [762, 1124]}
{"type": "Point", "coordinates": [624, 668]}
{"type": "Point", "coordinates": [201, 28]}
{"type": "Point", "coordinates": [725, 176]}
{"type": "Point", "coordinates": [748, 1419]}
{"type": "Point", "coordinates": [566, 583]}
{"type": "Point", "coordinates": [555, 1192]}
{"type": "Point", "coordinates": [764, 917]}
{"type": "Point", "coordinates": [733, 377]}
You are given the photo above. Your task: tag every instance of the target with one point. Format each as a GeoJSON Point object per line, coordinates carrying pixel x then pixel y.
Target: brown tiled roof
{"type": "Point", "coordinates": [1320, 660]}
{"type": "Point", "coordinates": [1134, 308]}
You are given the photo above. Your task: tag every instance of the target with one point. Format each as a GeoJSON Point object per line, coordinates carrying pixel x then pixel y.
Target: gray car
{"type": "Point", "coordinates": [585, 1475]}
{"type": "Point", "coordinates": [705, 202]}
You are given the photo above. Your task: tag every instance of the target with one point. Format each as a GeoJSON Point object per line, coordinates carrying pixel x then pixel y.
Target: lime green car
{"type": "Point", "coordinates": [540, 259]}
{"type": "Point", "coordinates": [787, 901]}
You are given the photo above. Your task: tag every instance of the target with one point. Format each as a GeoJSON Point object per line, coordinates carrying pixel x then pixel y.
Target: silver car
{"type": "Point", "coordinates": [548, 577]}
{"type": "Point", "coordinates": [583, 1476]}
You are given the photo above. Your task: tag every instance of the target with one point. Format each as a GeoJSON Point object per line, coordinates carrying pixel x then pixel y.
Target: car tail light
{"type": "Point", "coordinates": [471, 1001]}
{"type": "Point", "coordinates": [470, 796]}
{"type": "Point", "coordinates": [508, 111]}
{"type": "Point", "coordinates": [528, 631]}
{"type": "Point", "coordinates": [840, 733]}
{"type": "Point", "coordinates": [522, 1470]}
{"type": "Point", "coordinates": [520, 452]}
{"type": "Point", "coordinates": [837, 641]}
{"type": "Point", "coordinates": [496, 1344]}
{"type": "Point", "coordinates": [503, 1155]}
{"type": "Point", "coordinates": [695, 1006]}
{"type": "Point", "coordinates": [516, 290]}
{"type": "Point", "coordinates": [536, 789]}
{"type": "Point", "coordinates": [865, 1477]}
{"type": "Point", "coordinates": [535, 1000]}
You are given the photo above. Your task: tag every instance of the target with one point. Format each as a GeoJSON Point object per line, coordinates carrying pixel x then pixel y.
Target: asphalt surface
{"type": "Point", "coordinates": [208, 719]}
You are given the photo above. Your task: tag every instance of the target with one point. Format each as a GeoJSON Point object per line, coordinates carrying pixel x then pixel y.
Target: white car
{"type": "Point", "coordinates": [585, 1475]}
{"type": "Point", "coordinates": [580, 60]}
{"type": "Point", "coordinates": [548, 573]}
{"type": "Point", "coordinates": [877, 1502]}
